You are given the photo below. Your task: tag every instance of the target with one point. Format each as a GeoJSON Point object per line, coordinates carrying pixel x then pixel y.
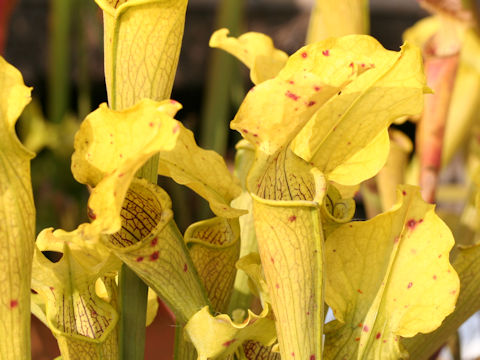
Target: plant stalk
{"type": "Point", "coordinates": [59, 79]}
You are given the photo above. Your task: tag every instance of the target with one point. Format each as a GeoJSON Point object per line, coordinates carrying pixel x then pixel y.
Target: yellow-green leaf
{"type": "Point", "coordinates": [423, 346]}
{"type": "Point", "coordinates": [214, 246]}
{"type": "Point", "coordinates": [203, 171]}
{"type": "Point", "coordinates": [244, 158]}
{"type": "Point", "coordinates": [251, 265]}
{"type": "Point", "coordinates": [218, 336]}
{"type": "Point", "coordinates": [255, 50]}
{"type": "Point", "coordinates": [336, 210]}
{"type": "Point", "coordinates": [112, 145]}
{"type": "Point", "coordinates": [391, 85]}
{"type": "Point", "coordinates": [150, 243]}
{"type": "Point", "coordinates": [17, 219]}
{"type": "Point", "coordinates": [83, 324]}
{"type": "Point", "coordinates": [393, 172]}
{"type": "Point", "coordinates": [334, 18]}
{"type": "Point", "coordinates": [290, 100]}
{"type": "Point", "coordinates": [290, 240]}
{"type": "Point", "coordinates": [83, 246]}
{"type": "Point", "coordinates": [388, 277]}
{"type": "Point", "coordinates": [142, 42]}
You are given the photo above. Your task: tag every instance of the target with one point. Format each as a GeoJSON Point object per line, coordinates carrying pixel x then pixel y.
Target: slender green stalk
{"type": "Point", "coordinates": [85, 12]}
{"type": "Point", "coordinates": [220, 85]}
{"type": "Point", "coordinates": [59, 79]}
{"type": "Point", "coordinates": [132, 322]}
{"type": "Point", "coordinates": [133, 295]}
{"type": "Point", "coordinates": [218, 99]}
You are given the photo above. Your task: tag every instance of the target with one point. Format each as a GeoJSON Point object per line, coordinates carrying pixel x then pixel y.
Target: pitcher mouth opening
{"type": "Point", "coordinates": [145, 210]}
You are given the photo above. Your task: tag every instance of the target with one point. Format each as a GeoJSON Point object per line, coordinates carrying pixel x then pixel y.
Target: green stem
{"type": "Point", "coordinates": [85, 12]}
{"type": "Point", "coordinates": [217, 103]}
{"type": "Point", "coordinates": [133, 294]}
{"type": "Point", "coordinates": [221, 75]}
{"type": "Point", "coordinates": [59, 80]}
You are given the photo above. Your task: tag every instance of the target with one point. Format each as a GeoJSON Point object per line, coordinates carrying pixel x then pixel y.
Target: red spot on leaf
{"type": "Point", "coordinates": [175, 129]}
{"type": "Point", "coordinates": [91, 215]}
{"type": "Point", "coordinates": [439, 256]}
{"type": "Point", "coordinates": [255, 135]}
{"type": "Point", "coordinates": [304, 54]}
{"type": "Point", "coordinates": [151, 124]}
{"type": "Point", "coordinates": [384, 341]}
{"type": "Point", "coordinates": [311, 103]}
{"type": "Point", "coordinates": [357, 339]}
{"type": "Point", "coordinates": [245, 131]}
{"type": "Point", "coordinates": [13, 304]}
{"type": "Point", "coordinates": [366, 328]}
{"type": "Point", "coordinates": [360, 325]}
{"type": "Point", "coordinates": [378, 336]}
{"type": "Point", "coordinates": [293, 354]}
{"type": "Point", "coordinates": [404, 193]}
{"type": "Point", "coordinates": [326, 53]}
{"type": "Point", "coordinates": [410, 284]}
{"type": "Point", "coordinates": [185, 267]}
{"type": "Point", "coordinates": [292, 218]}
{"type": "Point", "coordinates": [291, 95]}
{"type": "Point", "coordinates": [291, 82]}
{"type": "Point", "coordinates": [154, 241]}
{"type": "Point", "coordinates": [121, 155]}
{"type": "Point", "coordinates": [362, 65]}
{"type": "Point", "coordinates": [120, 175]}
{"type": "Point", "coordinates": [453, 292]}
{"type": "Point", "coordinates": [317, 88]}
{"type": "Point", "coordinates": [411, 224]}
{"type": "Point", "coordinates": [229, 342]}
{"type": "Point", "coordinates": [434, 277]}
{"type": "Point", "coordinates": [350, 65]}
{"type": "Point", "coordinates": [396, 240]}
{"type": "Point", "coordinates": [359, 291]}
{"type": "Point", "coordinates": [139, 259]}
{"type": "Point", "coordinates": [154, 256]}
{"type": "Point", "coordinates": [272, 260]}
{"type": "Point", "coordinates": [277, 286]}
{"type": "Point", "coordinates": [312, 357]}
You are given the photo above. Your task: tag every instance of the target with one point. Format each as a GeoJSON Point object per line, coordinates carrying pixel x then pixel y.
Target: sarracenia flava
{"type": "Point", "coordinates": [314, 125]}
